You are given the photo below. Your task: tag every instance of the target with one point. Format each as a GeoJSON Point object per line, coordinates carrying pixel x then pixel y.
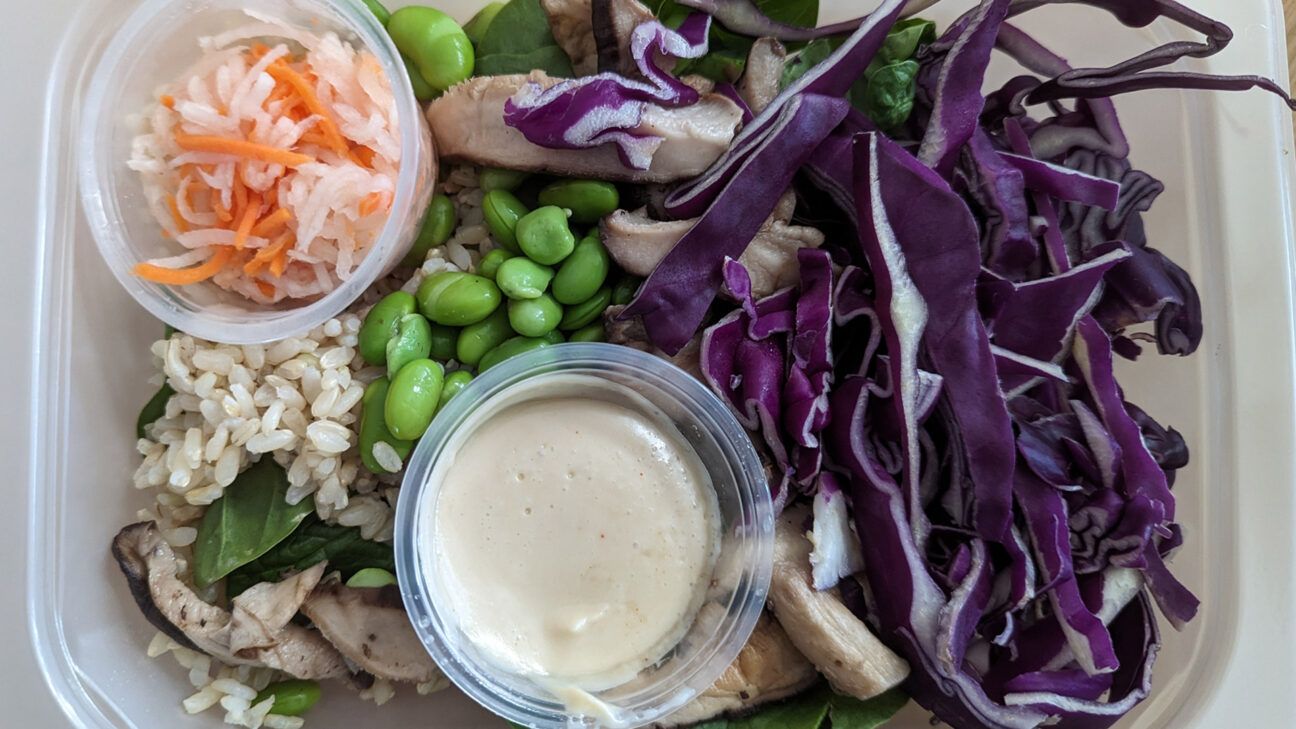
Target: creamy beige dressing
{"type": "Point", "coordinates": [575, 537]}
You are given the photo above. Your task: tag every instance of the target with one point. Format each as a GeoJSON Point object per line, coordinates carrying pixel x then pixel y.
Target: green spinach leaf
{"type": "Point", "coordinates": [311, 543]}
{"type": "Point", "coordinates": [850, 713]}
{"type": "Point", "coordinates": [248, 521]}
{"type": "Point", "coordinates": [810, 709]}
{"type": "Point", "coordinates": [727, 51]}
{"type": "Point", "coordinates": [890, 94]}
{"type": "Point", "coordinates": [905, 38]}
{"type": "Point", "coordinates": [153, 409]}
{"type": "Point", "coordinates": [518, 40]}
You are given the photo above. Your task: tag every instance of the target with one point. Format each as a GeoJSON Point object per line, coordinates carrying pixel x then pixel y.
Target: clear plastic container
{"type": "Point", "coordinates": [739, 583]}
{"type": "Point", "coordinates": [1226, 214]}
{"type": "Point", "coordinates": [150, 49]}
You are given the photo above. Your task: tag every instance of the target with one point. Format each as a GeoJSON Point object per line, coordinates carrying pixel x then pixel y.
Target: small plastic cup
{"type": "Point", "coordinates": [739, 583]}
{"type": "Point", "coordinates": [158, 41]}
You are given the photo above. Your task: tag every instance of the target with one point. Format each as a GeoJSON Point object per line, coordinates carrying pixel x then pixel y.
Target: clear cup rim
{"type": "Point", "coordinates": [101, 207]}
{"type": "Point", "coordinates": [481, 681]}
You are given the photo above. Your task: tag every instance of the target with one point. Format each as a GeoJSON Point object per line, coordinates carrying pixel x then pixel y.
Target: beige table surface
{"type": "Point", "coordinates": [27, 49]}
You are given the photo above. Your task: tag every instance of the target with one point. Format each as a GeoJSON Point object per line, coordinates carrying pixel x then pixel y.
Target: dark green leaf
{"type": "Point", "coordinates": [153, 409]}
{"type": "Point", "coordinates": [850, 713]}
{"type": "Point", "coordinates": [814, 53]}
{"type": "Point", "coordinates": [518, 40]}
{"type": "Point", "coordinates": [313, 542]}
{"type": "Point", "coordinates": [905, 38]}
{"type": "Point", "coordinates": [804, 13]}
{"type": "Point", "coordinates": [249, 520]}
{"type": "Point", "coordinates": [890, 94]}
{"type": "Point", "coordinates": [721, 66]}
{"type": "Point", "coordinates": [805, 711]}
{"type": "Point", "coordinates": [550, 59]}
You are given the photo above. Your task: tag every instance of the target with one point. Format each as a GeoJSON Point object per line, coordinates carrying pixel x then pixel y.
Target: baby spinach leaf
{"type": "Point", "coordinates": [250, 519]}
{"type": "Point", "coordinates": [850, 713]}
{"type": "Point", "coordinates": [904, 39]}
{"type": "Point", "coordinates": [153, 409]}
{"type": "Point", "coordinates": [518, 40]}
{"type": "Point", "coordinates": [311, 543]}
{"type": "Point", "coordinates": [728, 50]}
{"type": "Point", "coordinates": [890, 94]}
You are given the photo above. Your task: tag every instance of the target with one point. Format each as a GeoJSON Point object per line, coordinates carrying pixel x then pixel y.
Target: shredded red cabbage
{"type": "Point", "coordinates": [607, 108]}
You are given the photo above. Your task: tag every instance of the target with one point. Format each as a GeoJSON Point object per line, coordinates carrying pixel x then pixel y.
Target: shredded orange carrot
{"type": "Point", "coordinates": [281, 71]}
{"type": "Point", "coordinates": [370, 203]}
{"type": "Point", "coordinates": [363, 156]}
{"type": "Point", "coordinates": [266, 289]}
{"type": "Point", "coordinates": [316, 138]}
{"type": "Point", "coordinates": [248, 220]}
{"type": "Point", "coordinates": [182, 276]}
{"type": "Point", "coordinates": [280, 263]}
{"type": "Point", "coordinates": [167, 100]}
{"type": "Point", "coordinates": [240, 197]}
{"type": "Point", "coordinates": [272, 222]}
{"type": "Point", "coordinates": [223, 213]}
{"type": "Point", "coordinates": [181, 224]}
{"type": "Point", "coordinates": [241, 148]}
{"type": "Point", "coordinates": [269, 254]}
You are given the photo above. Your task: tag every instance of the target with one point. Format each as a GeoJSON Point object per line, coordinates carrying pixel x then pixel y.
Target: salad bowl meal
{"type": "Point", "coordinates": [672, 363]}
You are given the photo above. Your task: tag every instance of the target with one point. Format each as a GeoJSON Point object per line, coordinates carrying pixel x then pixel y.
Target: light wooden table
{"type": "Point", "coordinates": [1289, 12]}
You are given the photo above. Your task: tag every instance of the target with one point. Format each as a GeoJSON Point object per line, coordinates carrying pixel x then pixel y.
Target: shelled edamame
{"type": "Point", "coordinates": [541, 286]}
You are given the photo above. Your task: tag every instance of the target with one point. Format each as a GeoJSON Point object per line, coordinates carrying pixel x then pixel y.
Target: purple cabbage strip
{"type": "Point", "coordinates": [673, 302]}
{"type": "Point", "coordinates": [1065, 183]}
{"type": "Point", "coordinates": [1133, 74]}
{"type": "Point", "coordinates": [999, 190]}
{"type": "Point", "coordinates": [1038, 317]}
{"type": "Point", "coordinates": [833, 77]}
{"type": "Point", "coordinates": [1047, 521]}
{"type": "Point", "coordinates": [608, 108]}
{"type": "Point", "coordinates": [935, 240]}
{"type": "Point", "coordinates": [958, 101]}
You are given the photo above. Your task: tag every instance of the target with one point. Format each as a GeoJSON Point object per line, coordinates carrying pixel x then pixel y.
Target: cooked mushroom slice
{"type": "Point", "coordinates": [638, 243]}
{"type": "Point", "coordinates": [631, 333]}
{"type": "Point", "coordinates": [767, 669]}
{"type": "Point", "coordinates": [468, 123]}
{"type": "Point", "coordinates": [613, 23]}
{"type": "Point", "coordinates": [762, 74]}
{"type": "Point", "coordinates": [172, 607]}
{"type": "Point", "coordinates": [571, 23]}
{"type": "Point", "coordinates": [843, 648]}
{"type": "Point", "coordinates": [370, 627]}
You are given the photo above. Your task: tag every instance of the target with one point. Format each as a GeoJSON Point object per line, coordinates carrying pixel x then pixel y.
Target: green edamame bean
{"type": "Point", "coordinates": [476, 28]}
{"type": "Point", "coordinates": [535, 317]}
{"type": "Point", "coordinates": [373, 426]}
{"type": "Point", "coordinates": [582, 273]}
{"type": "Point", "coordinates": [153, 409]}
{"type": "Point", "coordinates": [490, 263]}
{"type": "Point", "coordinates": [443, 342]}
{"type": "Point", "coordinates": [291, 698]}
{"type": "Point", "coordinates": [511, 348]}
{"type": "Point", "coordinates": [579, 315]}
{"type": "Point", "coordinates": [593, 332]}
{"type": "Point", "coordinates": [438, 225]}
{"type": "Point", "coordinates": [523, 278]}
{"type": "Point", "coordinates": [380, 12]}
{"type": "Point", "coordinates": [413, 341]}
{"type": "Point", "coordinates": [423, 91]}
{"type": "Point", "coordinates": [544, 236]}
{"type": "Point", "coordinates": [380, 325]}
{"type": "Point", "coordinates": [369, 577]}
{"type": "Point", "coordinates": [625, 290]}
{"type": "Point", "coordinates": [412, 398]}
{"type": "Point", "coordinates": [455, 382]}
{"type": "Point", "coordinates": [475, 340]}
{"type": "Point", "coordinates": [554, 337]}
{"type": "Point", "coordinates": [502, 211]}
{"type": "Point", "coordinates": [495, 178]}
{"type": "Point", "coordinates": [588, 200]}
{"type": "Point", "coordinates": [456, 299]}
{"type": "Point", "coordinates": [435, 43]}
